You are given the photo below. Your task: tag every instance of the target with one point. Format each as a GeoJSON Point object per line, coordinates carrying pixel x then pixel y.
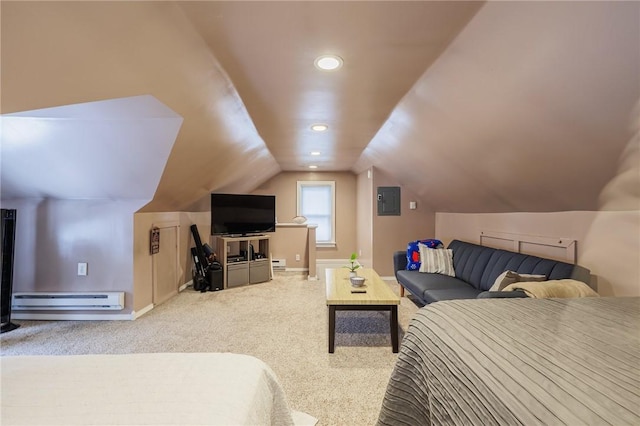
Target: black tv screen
{"type": "Point", "coordinates": [242, 214]}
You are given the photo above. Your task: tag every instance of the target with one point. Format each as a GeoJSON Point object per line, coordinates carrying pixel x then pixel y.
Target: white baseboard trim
{"type": "Point", "coordinates": [88, 317]}
{"type": "Point", "coordinates": [81, 317]}
{"type": "Point", "coordinates": [296, 269]}
{"type": "Point", "coordinates": [390, 278]}
{"type": "Point", "coordinates": [310, 278]}
{"type": "Point", "coordinates": [141, 312]}
{"type": "Point", "coordinates": [331, 261]}
{"type": "Point", "coordinates": [71, 317]}
{"type": "Point", "coordinates": [185, 285]}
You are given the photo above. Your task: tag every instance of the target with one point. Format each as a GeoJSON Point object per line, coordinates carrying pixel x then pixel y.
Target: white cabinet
{"type": "Point", "coordinates": [245, 260]}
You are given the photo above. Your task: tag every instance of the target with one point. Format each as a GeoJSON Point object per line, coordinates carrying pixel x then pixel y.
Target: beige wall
{"type": "Point", "coordinates": [143, 260]}
{"type": "Point", "coordinates": [467, 226]}
{"type": "Point", "coordinates": [289, 241]}
{"type": "Point", "coordinates": [364, 217]}
{"type": "Point", "coordinates": [358, 227]}
{"type": "Point", "coordinates": [391, 233]}
{"type": "Point", "coordinates": [284, 187]}
{"type": "Point", "coordinates": [53, 236]}
{"type": "Point", "coordinates": [613, 257]}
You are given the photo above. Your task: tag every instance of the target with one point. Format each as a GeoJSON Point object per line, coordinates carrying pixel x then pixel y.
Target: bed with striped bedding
{"type": "Point", "coordinates": [518, 361]}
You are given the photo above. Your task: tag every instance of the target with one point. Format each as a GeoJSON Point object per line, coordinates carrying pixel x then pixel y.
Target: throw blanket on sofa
{"type": "Point", "coordinates": [519, 361]}
{"type": "Point", "coordinates": [553, 288]}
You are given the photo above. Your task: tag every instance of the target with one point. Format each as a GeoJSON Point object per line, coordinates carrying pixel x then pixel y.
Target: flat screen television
{"type": "Point", "coordinates": [242, 214]}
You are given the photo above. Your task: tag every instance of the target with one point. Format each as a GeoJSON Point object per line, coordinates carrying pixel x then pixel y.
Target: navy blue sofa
{"type": "Point", "coordinates": [476, 268]}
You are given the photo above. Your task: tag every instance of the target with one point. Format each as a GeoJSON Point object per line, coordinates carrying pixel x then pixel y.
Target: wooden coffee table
{"type": "Point", "coordinates": [378, 297]}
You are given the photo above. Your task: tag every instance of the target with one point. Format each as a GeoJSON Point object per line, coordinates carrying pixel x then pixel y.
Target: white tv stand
{"type": "Point", "coordinates": [239, 268]}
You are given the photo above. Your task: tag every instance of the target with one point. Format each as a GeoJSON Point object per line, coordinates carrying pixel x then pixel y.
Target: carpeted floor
{"type": "Point", "coordinates": [282, 322]}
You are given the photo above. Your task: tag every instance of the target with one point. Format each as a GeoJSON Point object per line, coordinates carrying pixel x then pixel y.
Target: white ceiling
{"type": "Point", "coordinates": [92, 150]}
{"type": "Point", "coordinates": [505, 106]}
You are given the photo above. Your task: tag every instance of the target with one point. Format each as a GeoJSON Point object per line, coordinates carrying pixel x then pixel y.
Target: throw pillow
{"type": "Point", "coordinates": [438, 261]}
{"type": "Point", "coordinates": [510, 277]}
{"type": "Point", "coordinates": [413, 252]}
{"type": "Point", "coordinates": [554, 288]}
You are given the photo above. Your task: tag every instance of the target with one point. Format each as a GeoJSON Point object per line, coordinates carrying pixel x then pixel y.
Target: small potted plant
{"type": "Point", "coordinates": [353, 265]}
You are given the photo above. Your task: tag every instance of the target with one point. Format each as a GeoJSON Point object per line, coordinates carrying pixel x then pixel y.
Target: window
{"type": "Point", "coordinates": [317, 202]}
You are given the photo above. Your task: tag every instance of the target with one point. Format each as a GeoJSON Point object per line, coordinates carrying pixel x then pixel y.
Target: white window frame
{"type": "Point", "coordinates": [332, 184]}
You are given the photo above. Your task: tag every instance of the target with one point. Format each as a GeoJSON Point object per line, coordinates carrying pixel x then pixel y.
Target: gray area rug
{"type": "Point", "coordinates": [283, 322]}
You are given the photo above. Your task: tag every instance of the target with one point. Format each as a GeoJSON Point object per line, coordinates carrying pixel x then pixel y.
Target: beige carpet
{"type": "Point", "coordinates": [282, 322]}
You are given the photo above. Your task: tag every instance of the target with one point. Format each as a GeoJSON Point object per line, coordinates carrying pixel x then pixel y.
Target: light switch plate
{"type": "Point", "coordinates": [82, 269]}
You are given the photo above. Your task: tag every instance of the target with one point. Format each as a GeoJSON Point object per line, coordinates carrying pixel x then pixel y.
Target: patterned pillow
{"type": "Point", "coordinates": [413, 252]}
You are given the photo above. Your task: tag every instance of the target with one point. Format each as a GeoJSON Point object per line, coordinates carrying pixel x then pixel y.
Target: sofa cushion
{"type": "Point", "coordinates": [502, 260]}
{"type": "Point", "coordinates": [502, 294]}
{"type": "Point", "coordinates": [436, 260]}
{"type": "Point", "coordinates": [466, 292]}
{"type": "Point", "coordinates": [470, 261]}
{"type": "Point", "coordinates": [417, 282]}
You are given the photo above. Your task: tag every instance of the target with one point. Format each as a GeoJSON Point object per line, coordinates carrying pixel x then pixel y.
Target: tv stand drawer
{"type": "Point", "coordinates": [259, 271]}
{"type": "Point", "coordinates": [237, 274]}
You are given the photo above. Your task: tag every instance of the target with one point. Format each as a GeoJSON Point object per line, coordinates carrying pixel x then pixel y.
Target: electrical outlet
{"type": "Point", "coordinates": [82, 269]}
{"type": "Point", "coordinates": [297, 258]}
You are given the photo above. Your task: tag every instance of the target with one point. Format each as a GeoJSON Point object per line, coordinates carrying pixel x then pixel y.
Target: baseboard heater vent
{"type": "Point", "coordinates": [279, 264]}
{"type": "Point", "coordinates": [98, 301]}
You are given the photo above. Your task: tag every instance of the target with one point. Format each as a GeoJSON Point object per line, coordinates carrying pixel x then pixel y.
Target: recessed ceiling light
{"type": "Point", "coordinates": [313, 167]}
{"type": "Point", "coordinates": [328, 62]}
{"type": "Point", "coordinates": [315, 152]}
{"type": "Point", "coordinates": [319, 127]}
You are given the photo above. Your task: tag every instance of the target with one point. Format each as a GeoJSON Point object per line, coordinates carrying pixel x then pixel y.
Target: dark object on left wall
{"type": "Point", "coordinates": [208, 271]}
{"type": "Point", "coordinates": [8, 249]}
{"type": "Point", "coordinates": [199, 276]}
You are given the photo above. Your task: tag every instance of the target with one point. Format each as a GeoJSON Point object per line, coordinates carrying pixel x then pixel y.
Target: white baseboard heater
{"type": "Point", "coordinates": [279, 264]}
{"type": "Point", "coordinates": [93, 301]}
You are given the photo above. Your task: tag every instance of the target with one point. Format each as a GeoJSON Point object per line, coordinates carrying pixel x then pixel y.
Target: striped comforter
{"type": "Point", "coordinates": [519, 361]}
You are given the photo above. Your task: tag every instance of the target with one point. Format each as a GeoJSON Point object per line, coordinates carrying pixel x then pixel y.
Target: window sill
{"type": "Point", "coordinates": [326, 245]}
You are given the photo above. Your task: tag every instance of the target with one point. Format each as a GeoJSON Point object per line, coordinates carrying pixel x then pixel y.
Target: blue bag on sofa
{"type": "Point", "coordinates": [413, 252]}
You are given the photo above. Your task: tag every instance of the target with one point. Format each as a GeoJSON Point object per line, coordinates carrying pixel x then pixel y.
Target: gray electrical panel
{"type": "Point", "coordinates": [388, 201]}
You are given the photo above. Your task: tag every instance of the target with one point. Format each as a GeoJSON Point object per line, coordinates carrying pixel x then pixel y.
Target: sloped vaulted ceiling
{"type": "Point", "coordinates": [529, 109]}
{"type": "Point", "coordinates": [478, 107]}
{"type": "Point", "coordinates": [268, 49]}
{"type": "Point", "coordinates": [93, 150]}
{"type": "Point", "coordinates": [61, 53]}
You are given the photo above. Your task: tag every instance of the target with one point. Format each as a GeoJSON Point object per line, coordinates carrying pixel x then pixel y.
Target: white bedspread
{"type": "Point", "coordinates": [138, 389]}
